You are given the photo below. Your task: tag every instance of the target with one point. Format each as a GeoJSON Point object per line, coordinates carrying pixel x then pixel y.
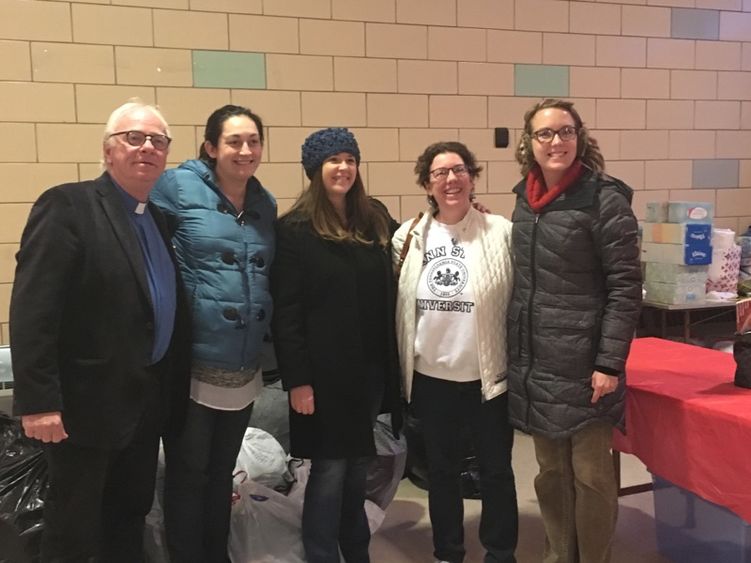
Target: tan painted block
{"type": "Point", "coordinates": [610, 143]}
{"type": "Point", "coordinates": [487, 79]}
{"type": "Point", "coordinates": [396, 41]}
{"type": "Point", "coordinates": [429, 77]}
{"type": "Point", "coordinates": [437, 12]}
{"type": "Point", "coordinates": [412, 142]}
{"type": "Point", "coordinates": [457, 44]}
{"type": "Point", "coordinates": [541, 15]}
{"type": "Point", "coordinates": [733, 144]}
{"type": "Point", "coordinates": [621, 51]}
{"type": "Point", "coordinates": [8, 262]}
{"type": "Point", "coordinates": [228, 6]}
{"type": "Point", "coordinates": [670, 114]}
{"type": "Point", "coordinates": [735, 26]}
{"type": "Point", "coordinates": [281, 178]}
{"type": "Point", "coordinates": [112, 25]}
{"type": "Point", "coordinates": [161, 67]}
{"type": "Point", "coordinates": [190, 106]}
{"type": "Point", "coordinates": [95, 103]}
{"type": "Point", "coordinates": [693, 84]}
{"type": "Point", "coordinates": [89, 170]}
{"type": "Point", "coordinates": [175, 4]}
{"type": "Point", "coordinates": [365, 74]}
{"type": "Point", "coordinates": [364, 10]}
{"type": "Point", "coordinates": [645, 83]}
{"type": "Point", "coordinates": [745, 174]}
{"type": "Point", "coordinates": [692, 144]}
{"type": "Point", "coordinates": [498, 14]}
{"type": "Point", "coordinates": [745, 115]}
{"type": "Point", "coordinates": [621, 114]}
{"type": "Point", "coordinates": [746, 56]}
{"type": "Point", "coordinates": [643, 145]}
{"type": "Point", "coordinates": [378, 145]}
{"type": "Point", "coordinates": [670, 53]}
{"type": "Point", "coordinates": [5, 292]}
{"type": "Point", "coordinates": [645, 21]}
{"type": "Point", "coordinates": [411, 206]}
{"type": "Point", "coordinates": [390, 178]}
{"type": "Point", "coordinates": [13, 218]}
{"type": "Point", "coordinates": [35, 101]}
{"type": "Point", "coordinates": [733, 202]}
{"type": "Point", "coordinates": [299, 72]}
{"type": "Point", "coordinates": [458, 111]}
{"type": "Point", "coordinates": [392, 205]}
{"type": "Point", "coordinates": [568, 49]}
{"type": "Point", "coordinates": [284, 143]}
{"type": "Point", "coordinates": [60, 62]}
{"type": "Point", "coordinates": [718, 55]}
{"type": "Point", "coordinates": [83, 142]}
{"type": "Point", "coordinates": [514, 47]}
{"type": "Point", "coordinates": [263, 34]}
{"type": "Point", "coordinates": [481, 183]}
{"type": "Point", "coordinates": [397, 110]}
{"type": "Point", "coordinates": [34, 21]}
{"type": "Point", "coordinates": [509, 111]}
{"type": "Point", "coordinates": [190, 30]}
{"type": "Point", "coordinates": [275, 108]}
{"type": "Point", "coordinates": [499, 204]}
{"type": "Point", "coordinates": [668, 174]}
{"type": "Point", "coordinates": [596, 18]}
{"type": "Point", "coordinates": [17, 142]}
{"type": "Point", "coordinates": [718, 115]}
{"type": "Point", "coordinates": [642, 197]}
{"type": "Point", "coordinates": [185, 142]}
{"type": "Point", "coordinates": [324, 109]}
{"type": "Point", "coordinates": [480, 142]}
{"type": "Point", "coordinates": [673, 3]}
{"type": "Point", "coordinates": [283, 205]}
{"type": "Point", "coordinates": [597, 82]}
{"type": "Point", "coordinates": [587, 108]}
{"type": "Point", "coordinates": [299, 8]}
{"type": "Point", "coordinates": [23, 183]}
{"type": "Point", "coordinates": [733, 85]}
{"type": "Point", "coordinates": [720, 4]}
{"type": "Point", "coordinates": [502, 177]}
{"type": "Point", "coordinates": [735, 224]}
{"type": "Point", "coordinates": [321, 37]}
{"type": "Point", "coordinates": [16, 59]}
{"type": "Point", "coordinates": [630, 171]}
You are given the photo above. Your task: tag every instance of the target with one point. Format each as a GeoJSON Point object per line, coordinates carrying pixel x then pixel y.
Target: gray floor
{"type": "Point", "coordinates": [405, 535]}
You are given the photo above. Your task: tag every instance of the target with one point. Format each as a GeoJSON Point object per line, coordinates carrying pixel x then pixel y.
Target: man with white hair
{"type": "Point", "coordinates": [99, 343]}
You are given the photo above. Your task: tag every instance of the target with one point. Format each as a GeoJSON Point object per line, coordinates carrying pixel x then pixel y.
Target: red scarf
{"type": "Point", "coordinates": [539, 195]}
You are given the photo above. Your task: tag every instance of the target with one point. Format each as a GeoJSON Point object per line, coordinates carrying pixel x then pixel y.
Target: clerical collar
{"type": "Point", "coordinates": [131, 203]}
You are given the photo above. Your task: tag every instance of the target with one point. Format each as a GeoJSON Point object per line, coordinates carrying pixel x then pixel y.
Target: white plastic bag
{"type": "Point", "coordinates": [262, 458]}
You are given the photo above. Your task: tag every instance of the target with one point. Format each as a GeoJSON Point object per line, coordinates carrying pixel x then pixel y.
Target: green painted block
{"type": "Point", "coordinates": [221, 69]}
{"type": "Point", "coordinates": [541, 80]}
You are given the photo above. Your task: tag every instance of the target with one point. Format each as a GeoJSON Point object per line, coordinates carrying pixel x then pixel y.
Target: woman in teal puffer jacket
{"type": "Point", "coordinates": [223, 221]}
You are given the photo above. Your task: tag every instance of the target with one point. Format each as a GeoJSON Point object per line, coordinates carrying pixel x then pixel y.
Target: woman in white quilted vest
{"type": "Point", "coordinates": [455, 274]}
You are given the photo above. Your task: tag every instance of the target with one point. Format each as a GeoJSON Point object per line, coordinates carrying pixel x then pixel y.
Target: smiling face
{"type": "Point", "coordinates": [556, 156]}
{"type": "Point", "coordinates": [452, 192]}
{"type": "Point", "coordinates": [238, 152]}
{"type": "Point", "coordinates": [136, 169]}
{"type": "Point", "coordinates": [338, 173]}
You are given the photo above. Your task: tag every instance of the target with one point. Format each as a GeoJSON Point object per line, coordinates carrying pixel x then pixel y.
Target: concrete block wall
{"type": "Point", "coordinates": [664, 84]}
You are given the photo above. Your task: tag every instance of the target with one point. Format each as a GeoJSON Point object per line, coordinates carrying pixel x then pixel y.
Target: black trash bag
{"type": "Point", "coordinates": [742, 355]}
{"type": "Point", "coordinates": [23, 483]}
{"type": "Point", "coordinates": [417, 468]}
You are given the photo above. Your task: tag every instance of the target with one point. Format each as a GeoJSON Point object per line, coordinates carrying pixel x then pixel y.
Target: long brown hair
{"type": "Point", "coordinates": [587, 148]}
{"type": "Point", "coordinates": [368, 222]}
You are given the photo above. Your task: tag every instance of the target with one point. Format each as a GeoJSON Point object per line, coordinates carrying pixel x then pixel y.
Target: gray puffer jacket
{"type": "Point", "coordinates": [575, 305]}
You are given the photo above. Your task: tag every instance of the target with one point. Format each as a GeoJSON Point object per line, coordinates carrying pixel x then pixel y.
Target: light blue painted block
{"type": "Point", "coordinates": [715, 173]}
{"type": "Point", "coordinates": [690, 23]}
{"type": "Point", "coordinates": [222, 69]}
{"type": "Point", "coordinates": [541, 80]}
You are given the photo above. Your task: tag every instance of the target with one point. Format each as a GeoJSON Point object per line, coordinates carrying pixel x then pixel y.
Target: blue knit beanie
{"type": "Point", "coordinates": [324, 143]}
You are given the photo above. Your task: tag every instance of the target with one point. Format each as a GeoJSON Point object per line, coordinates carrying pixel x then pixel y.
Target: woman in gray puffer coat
{"type": "Point", "coordinates": [574, 309]}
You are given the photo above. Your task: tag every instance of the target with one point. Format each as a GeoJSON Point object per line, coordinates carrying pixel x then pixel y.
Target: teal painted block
{"type": "Point", "coordinates": [221, 69]}
{"type": "Point", "coordinates": [541, 80]}
{"type": "Point", "coordinates": [715, 173]}
{"type": "Point", "coordinates": [689, 23]}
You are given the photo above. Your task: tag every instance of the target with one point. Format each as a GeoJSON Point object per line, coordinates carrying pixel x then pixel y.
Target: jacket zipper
{"type": "Point", "coordinates": [533, 288]}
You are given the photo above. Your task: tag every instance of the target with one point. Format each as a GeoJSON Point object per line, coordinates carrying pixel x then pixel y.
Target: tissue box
{"type": "Point", "coordinates": [693, 530]}
{"type": "Point", "coordinates": [675, 273]}
{"type": "Point", "coordinates": [678, 233]}
{"type": "Point", "coordinates": [690, 212]}
{"type": "Point", "coordinates": [657, 212]}
{"type": "Point", "coordinates": [690, 254]}
{"type": "Point", "coordinates": [675, 293]}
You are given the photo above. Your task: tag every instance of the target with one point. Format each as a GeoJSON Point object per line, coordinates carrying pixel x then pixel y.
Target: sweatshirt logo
{"type": "Point", "coordinates": [447, 278]}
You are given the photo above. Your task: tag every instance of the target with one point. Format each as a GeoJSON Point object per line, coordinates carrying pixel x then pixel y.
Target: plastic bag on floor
{"type": "Point", "coordinates": [387, 468]}
{"type": "Point", "coordinates": [263, 459]}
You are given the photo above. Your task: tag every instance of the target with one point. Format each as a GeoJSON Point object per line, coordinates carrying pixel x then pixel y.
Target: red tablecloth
{"type": "Point", "coordinates": [687, 421]}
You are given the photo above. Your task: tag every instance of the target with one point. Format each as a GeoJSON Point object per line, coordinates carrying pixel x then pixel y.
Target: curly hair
{"type": "Point", "coordinates": [587, 148]}
{"type": "Point", "coordinates": [425, 161]}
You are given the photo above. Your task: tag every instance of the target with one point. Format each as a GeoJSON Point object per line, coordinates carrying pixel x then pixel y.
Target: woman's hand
{"type": "Point", "coordinates": [480, 207]}
{"type": "Point", "coordinates": [602, 385]}
{"type": "Point", "coordinates": [301, 399]}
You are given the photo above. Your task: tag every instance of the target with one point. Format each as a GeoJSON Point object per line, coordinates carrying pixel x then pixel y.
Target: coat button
{"type": "Point", "coordinates": [228, 258]}
{"type": "Point", "coordinates": [231, 314]}
{"type": "Point", "coordinates": [261, 315]}
{"type": "Point", "coordinates": [260, 262]}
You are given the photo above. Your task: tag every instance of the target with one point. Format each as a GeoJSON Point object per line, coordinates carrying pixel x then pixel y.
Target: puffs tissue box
{"type": "Point", "coordinates": [692, 255]}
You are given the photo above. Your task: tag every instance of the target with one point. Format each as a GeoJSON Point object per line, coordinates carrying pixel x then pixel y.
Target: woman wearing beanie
{"type": "Point", "coordinates": [333, 329]}
{"type": "Point", "coordinates": [573, 312]}
{"type": "Point", "coordinates": [224, 238]}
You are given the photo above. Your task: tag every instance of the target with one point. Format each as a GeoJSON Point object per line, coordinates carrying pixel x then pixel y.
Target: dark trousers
{"type": "Point", "coordinates": [198, 483]}
{"type": "Point", "coordinates": [444, 408]}
{"type": "Point", "coordinates": [98, 499]}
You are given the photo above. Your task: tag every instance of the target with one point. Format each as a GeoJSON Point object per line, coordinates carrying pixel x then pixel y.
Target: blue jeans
{"type": "Point", "coordinates": [443, 408]}
{"type": "Point", "coordinates": [198, 483]}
